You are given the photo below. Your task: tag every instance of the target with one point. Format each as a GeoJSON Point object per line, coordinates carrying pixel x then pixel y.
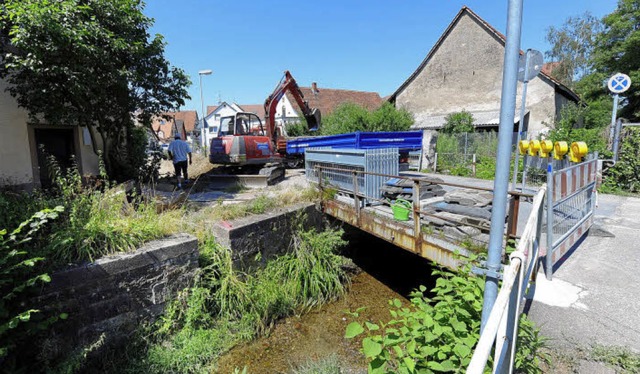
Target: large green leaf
{"type": "Point", "coordinates": [371, 348]}
{"type": "Point", "coordinates": [353, 329]}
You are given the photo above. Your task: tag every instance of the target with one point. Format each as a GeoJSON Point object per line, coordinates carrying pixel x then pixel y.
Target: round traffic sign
{"type": "Point", "coordinates": [619, 83]}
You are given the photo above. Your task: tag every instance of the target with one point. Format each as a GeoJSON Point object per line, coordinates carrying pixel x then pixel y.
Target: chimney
{"type": "Point", "coordinates": [314, 87]}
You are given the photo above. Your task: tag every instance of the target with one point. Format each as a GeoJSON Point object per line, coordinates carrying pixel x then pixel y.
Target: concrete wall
{"type": "Point", "coordinates": [112, 296]}
{"type": "Point", "coordinates": [465, 72]}
{"type": "Point", "coordinates": [266, 234]}
{"type": "Point", "coordinates": [15, 152]}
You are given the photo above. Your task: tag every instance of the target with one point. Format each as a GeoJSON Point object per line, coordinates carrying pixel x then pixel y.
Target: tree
{"type": "Point", "coordinates": [572, 45]}
{"type": "Point", "coordinates": [388, 118]}
{"type": "Point", "coordinates": [347, 117]}
{"type": "Point", "coordinates": [458, 122]}
{"type": "Point", "coordinates": [89, 63]}
{"type": "Point", "coordinates": [618, 50]}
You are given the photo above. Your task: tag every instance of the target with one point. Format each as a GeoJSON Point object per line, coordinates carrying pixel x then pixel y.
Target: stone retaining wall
{"type": "Point", "coordinates": [106, 300]}
{"type": "Point", "coordinates": [267, 234]}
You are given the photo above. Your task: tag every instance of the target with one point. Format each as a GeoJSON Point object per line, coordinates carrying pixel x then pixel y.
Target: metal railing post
{"type": "Point", "coordinates": [356, 198]}
{"type": "Point", "coordinates": [549, 256]}
{"type": "Point", "coordinates": [417, 234]}
{"type": "Point", "coordinates": [473, 166]}
{"type": "Point", "coordinates": [505, 140]}
{"type": "Point", "coordinates": [435, 162]}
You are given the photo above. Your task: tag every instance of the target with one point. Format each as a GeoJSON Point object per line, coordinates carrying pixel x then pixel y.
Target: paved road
{"type": "Point", "coordinates": [594, 297]}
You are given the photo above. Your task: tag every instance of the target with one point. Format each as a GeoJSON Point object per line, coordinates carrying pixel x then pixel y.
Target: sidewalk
{"type": "Point", "coordinates": [594, 298]}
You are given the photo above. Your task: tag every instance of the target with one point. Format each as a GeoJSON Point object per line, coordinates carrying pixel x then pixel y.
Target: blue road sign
{"type": "Point", "coordinates": [619, 83]}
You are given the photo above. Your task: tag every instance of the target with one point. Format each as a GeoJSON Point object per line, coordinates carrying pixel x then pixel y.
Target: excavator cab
{"type": "Point", "coordinates": [241, 141]}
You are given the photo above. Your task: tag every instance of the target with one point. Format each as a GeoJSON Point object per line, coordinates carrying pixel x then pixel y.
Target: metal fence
{"type": "Point", "coordinates": [459, 154]}
{"type": "Point", "coordinates": [501, 328]}
{"type": "Point", "coordinates": [378, 161]}
{"type": "Point", "coordinates": [570, 208]}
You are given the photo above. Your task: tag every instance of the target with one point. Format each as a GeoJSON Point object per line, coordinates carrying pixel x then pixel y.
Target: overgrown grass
{"type": "Point", "coordinates": [199, 222]}
{"type": "Point", "coordinates": [98, 219]}
{"type": "Point", "coordinates": [225, 306]}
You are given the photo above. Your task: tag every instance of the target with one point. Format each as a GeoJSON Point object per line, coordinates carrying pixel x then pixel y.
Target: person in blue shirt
{"type": "Point", "coordinates": [179, 150]}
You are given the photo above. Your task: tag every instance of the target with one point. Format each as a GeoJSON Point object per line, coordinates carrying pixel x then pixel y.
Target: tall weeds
{"type": "Point", "coordinates": [226, 306]}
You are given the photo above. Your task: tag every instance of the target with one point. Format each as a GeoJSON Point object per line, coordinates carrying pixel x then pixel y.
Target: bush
{"type": "Point", "coordinates": [571, 127]}
{"type": "Point", "coordinates": [226, 306]}
{"type": "Point", "coordinates": [439, 333]}
{"type": "Point", "coordinates": [19, 273]}
{"type": "Point", "coordinates": [625, 174]}
{"type": "Point", "coordinates": [458, 122]}
{"type": "Point", "coordinates": [298, 128]}
{"type": "Point", "coordinates": [349, 117]}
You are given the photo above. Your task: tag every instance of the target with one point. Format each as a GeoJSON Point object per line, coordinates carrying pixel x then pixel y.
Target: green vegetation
{"type": "Point", "coordinates": [438, 333]}
{"type": "Point", "coordinates": [625, 174]}
{"type": "Point", "coordinates": [619, 357]}
{"type": "Point", "coordinates": [588, 51]}
{"type": "Point", "coordinates": [111, 64]}
{"type": "Point", "coordinates": [456, 150]}
{"type": "Point", "coordinates": [298, 128]}
{"type": "Point", "coordinates": [326, 365]}
{"type": "Point", "coordinates": [459, 122]}
{"type": "Point", "coordinates": [226, 306]}
{"type": "Point", "coordinates": [96, 220]}
{"type": "Point", "coordinates": [351, 117]}
{"type": "Point", "coordinates": [17, 276]}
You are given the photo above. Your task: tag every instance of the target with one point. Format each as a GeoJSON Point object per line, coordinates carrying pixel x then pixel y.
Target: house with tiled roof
{"type": "Point", "coordinates": [463, 71]}
{"type": "Point", "coordinates": [165, 125]}
{"type": "Point", "coordinates": [328, 99]}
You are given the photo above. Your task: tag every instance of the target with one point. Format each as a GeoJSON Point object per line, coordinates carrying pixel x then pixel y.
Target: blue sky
{"type": "Point", "coordinates": [349, 44]}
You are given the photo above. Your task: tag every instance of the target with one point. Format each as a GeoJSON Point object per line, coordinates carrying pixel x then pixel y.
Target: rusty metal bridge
{"type": "Point", "coordinates": [422, 232]}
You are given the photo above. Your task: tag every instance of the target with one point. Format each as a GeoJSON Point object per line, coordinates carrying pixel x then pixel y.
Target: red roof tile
{"type": "Point", "coordinates": [188, 117]}
{"type": "Point", "coordinates": [328, 99]}
{"type": "Point", "coordinates": [254, 108]}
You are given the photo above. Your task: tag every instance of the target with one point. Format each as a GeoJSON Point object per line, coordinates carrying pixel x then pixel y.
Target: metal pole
{"type": "Point", "coordinates": [204, 142]}
{"type": "Point", "coordinates": [202, 132]}
{"type": "Point", "coordinates": [613, 125]}
{"type": "Point", "coordinates": [549, 256]}
{"type": "Point", "coordinates": [505, 138]}
{"type": "Point", "coordinates": [616, 140]}
{"type": "Point", "coordinates": [519, 136]}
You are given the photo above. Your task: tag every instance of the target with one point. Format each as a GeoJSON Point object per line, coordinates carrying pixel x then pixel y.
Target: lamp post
{"type": "Point", "coordinates": [202, 132]}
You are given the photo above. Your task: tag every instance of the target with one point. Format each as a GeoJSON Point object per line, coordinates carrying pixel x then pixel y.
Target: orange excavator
{"type": "Point", "coordinates": [243, 141]}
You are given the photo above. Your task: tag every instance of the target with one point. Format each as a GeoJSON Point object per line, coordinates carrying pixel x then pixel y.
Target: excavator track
{"type": "Point", "coordinates": [229, 178]}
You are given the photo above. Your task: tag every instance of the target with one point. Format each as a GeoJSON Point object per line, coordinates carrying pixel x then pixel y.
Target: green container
{"type": "Point", "coordinates": [401, 209]}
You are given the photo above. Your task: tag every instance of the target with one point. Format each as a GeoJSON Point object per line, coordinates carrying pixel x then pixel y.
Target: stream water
{"type": "Point", "coordinates": [387, 273]}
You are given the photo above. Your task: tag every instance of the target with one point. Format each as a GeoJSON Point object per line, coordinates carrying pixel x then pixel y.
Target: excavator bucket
{"type": "Point", "coordinates": [313, 119]}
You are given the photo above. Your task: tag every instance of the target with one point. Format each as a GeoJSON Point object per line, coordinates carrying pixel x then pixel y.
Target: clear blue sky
{"type": "Point", "coordinates": [369, 45]}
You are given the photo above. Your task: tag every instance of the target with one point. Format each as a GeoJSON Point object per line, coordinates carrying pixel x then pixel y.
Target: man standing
{"type": "Point", "coordinates": [178, 152]}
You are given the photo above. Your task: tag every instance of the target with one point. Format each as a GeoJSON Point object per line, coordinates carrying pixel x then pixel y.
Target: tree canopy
{"type": "Point", "coordinates": [589, 51]}
{"type": "Point", "coordinates": [90, 63]}
{"type": "Point", "coordinates": [349, 117]}
{"type": "Point", "coordinates": [458, 122]}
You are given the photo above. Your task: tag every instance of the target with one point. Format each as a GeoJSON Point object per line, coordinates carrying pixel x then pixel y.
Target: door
{"type": "Point", "coordinates": [58, 143]}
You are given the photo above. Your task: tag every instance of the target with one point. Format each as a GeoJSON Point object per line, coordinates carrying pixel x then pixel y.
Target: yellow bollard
{"type": "Point", "coordinates": [578, 151]}
{"type": "Point", "coordinates": [523, 146]}
{"type": "Point", "coordinates": [546, 146]}
{"type": "Point", "coordinates": [560, 149]}
{"type": "Point", "coordinates": [534, 147]}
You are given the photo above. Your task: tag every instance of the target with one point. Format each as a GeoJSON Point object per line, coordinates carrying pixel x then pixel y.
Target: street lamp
{"type": "Point", "coordinates": [202, 132]}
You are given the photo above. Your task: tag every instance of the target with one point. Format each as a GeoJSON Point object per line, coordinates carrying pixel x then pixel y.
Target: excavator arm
{"type": "Point", "coordinates": [288, 83]}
